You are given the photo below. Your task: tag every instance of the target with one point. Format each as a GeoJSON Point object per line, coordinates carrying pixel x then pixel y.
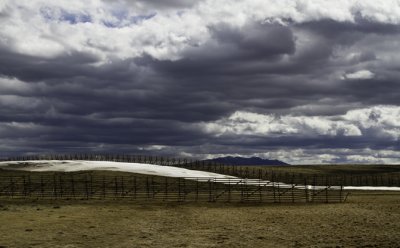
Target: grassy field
{"type": "Point", "coordinates": [363, 221]}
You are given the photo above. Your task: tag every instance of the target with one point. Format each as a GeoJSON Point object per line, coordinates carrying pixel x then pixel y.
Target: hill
{"type": "Point", "coordinates": [246, 161]}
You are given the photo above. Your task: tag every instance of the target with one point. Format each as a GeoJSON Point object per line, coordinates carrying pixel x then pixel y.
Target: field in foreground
{"type": "Point", "coordinates": [363, 221]}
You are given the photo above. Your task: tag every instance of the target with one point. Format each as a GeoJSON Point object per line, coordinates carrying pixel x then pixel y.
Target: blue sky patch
{"type": "Point", "coordinates": [123, 19]}
{"type": "Point", "coordinates": [64, 16]}
{"type": "Point", "coordinates": [139, 18]}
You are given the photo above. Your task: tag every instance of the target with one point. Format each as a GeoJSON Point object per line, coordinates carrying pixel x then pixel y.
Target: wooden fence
{"type": "Point", "coordinates": [159, 160]}
{"type": "Point", "coordinates": [267, 173]}
{"type": "Point", "coordinates": [87, 185]}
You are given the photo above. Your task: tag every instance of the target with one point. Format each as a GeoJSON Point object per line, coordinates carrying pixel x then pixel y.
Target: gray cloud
{"type": "Point", "coordinates": [159, 4]}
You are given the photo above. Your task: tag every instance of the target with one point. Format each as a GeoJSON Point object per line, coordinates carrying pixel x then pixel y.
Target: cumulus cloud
{"type": "Point", "coordinates": [129, 28]}
{"type": "Point", "coordinates": [363, 74]}
{"type": "Point", "coordinates": [201, 78]}
{"type": "Point", "coordinates": [244, 123]}
{"type": "Point", "coordinates": [378, 121]}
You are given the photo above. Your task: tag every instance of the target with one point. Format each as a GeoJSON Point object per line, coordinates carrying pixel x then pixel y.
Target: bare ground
{"type": "Point", "coordinates": [363, 221]}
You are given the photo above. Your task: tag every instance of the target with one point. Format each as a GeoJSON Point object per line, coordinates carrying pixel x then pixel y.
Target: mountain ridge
{"type": "Point", "coordinates": [230, 160]}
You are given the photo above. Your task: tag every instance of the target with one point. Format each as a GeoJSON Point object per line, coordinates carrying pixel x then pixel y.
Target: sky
{"type": "Point", "coordinates": [303, 81]}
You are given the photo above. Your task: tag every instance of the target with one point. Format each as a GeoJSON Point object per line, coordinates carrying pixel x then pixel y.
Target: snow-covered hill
{"type": "Point", "coordinates": [78, 165]}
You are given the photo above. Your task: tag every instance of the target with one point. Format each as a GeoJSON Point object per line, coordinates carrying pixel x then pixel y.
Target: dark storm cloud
{"type": "Point", "coordinates": [230, 53]}
{"type": "Point", "coordinates": [74, 101]}
{"type": "Point", "coordinates": [372, 91]}
{"type": "Point", "coordinates": [32, 68]}
{"type": "Point", "coordinates": [348, 31]}
{"type": "Point", "coordinates": [256, 40]}
{"type": "Point", "coordinates": [262, 79]}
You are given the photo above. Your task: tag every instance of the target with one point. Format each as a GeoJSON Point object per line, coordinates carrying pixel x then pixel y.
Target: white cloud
{"type": "Point", "coordinates": [387, 11]}
{"type": "Point", "coordinates": [117, 29]}
{"type": "Point", "coordinates": [383, 121]}
{"type": "Point", "coordinates": [245, 123]}
{"type": "Point", "coordinates": [362, 74]}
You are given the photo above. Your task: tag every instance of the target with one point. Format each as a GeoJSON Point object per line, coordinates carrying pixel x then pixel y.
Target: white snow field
{"type": "Point", "coordinates": [80, 165]}
{"type": "Point", "coordinates": [158, 170]}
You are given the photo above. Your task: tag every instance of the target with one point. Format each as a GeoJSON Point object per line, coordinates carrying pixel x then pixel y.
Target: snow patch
{"type": "Point", "coordinates": [70, 166]}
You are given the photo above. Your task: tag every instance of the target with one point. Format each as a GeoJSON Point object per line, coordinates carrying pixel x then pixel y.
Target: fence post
{"type": "Point", "coordinates": [134, 187]}
{"type": "Point", "coordinates": [326, 189]}
{"type": "Point", "coordinates": [29, 185]}
{"type": "Point", "coordinates": [72, 186]}
{"type": "Point", "coordinates": [91, 186]}
{"type": "Point", "coordinates": [197, 189]}
{"type": "Point", "coordinates": [214, 191]}
{"type": "Point", "coordinates": [313, 188]}
{"type": "Point", "coordinates": [184, 190]}
{"type": "Point", "coordinates": [122, 187]}
{"type": "Point", "coordinates": [12, 187]}
{"type": "Point", "coordinates": [103, 188]}
{"type": "Point", "coordinates": [61, 185]}
{"type": "Point", "coordinates": [179, 189]}
{"type": "Point", "coordinates": [279, 193]}
{"type": "Point", "coordinates": [242, 190]}
{"type": "Point", "coordinates": [341, 192]}
{"type": "Point", "coordinates": [115, 187]}
{"type": "Point", "coordinates": [209, 190]}
{"type": "Point", "coordinates": [306, 189]}
{"type": "Point", "coordinates": [273, 185]}
{"type": "Point", "coordinates": [292, 188]}
{"type": "Point", "coordinates": [147, 187]}
{"type": "Point", "coordinates": [41, 186]}
{"type": "Point", "coordinates": [229, 190]}
{"type": "Point", "coordinates": [166, 189]}
{"type": "Point", "coordinates": [152, 187]}
{"type": "Point", "coordinates": [24, 186]}
{"type": "Point", "coordinates": [54, 186]}
{"type": "Point", "coordinates": [86, 187]}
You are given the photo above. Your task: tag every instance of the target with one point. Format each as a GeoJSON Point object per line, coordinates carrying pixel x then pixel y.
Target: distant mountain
{"type": "Point", "coordinates": [246, 161]}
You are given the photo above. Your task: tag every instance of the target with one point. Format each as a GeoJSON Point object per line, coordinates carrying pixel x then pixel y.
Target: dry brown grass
{"type": "Point", "coordinates": [364, 221]}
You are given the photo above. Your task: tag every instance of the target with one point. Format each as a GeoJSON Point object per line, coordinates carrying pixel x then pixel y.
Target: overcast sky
{"type": "Point", "coordinates": [297, 80]}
